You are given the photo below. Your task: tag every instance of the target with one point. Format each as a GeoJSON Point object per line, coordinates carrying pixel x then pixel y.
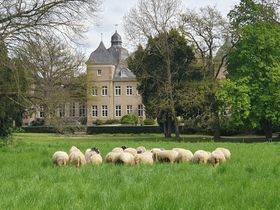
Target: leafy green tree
{"type": "Point", "coordinates": [162, 69]}
{"type": "Point", "coordinates": [252, 90]}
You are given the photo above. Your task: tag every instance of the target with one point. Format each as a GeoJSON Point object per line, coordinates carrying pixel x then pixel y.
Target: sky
{"type": "Point", "coordinates": [113, 11]}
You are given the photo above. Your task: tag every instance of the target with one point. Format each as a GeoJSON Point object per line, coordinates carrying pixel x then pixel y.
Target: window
{"type": "Point", "coordinates": [61, 110]}
{"type": "Point", "coordinates": [123, 73]}
{"type": "Point", "coordinates": [99, 72]}
{"type": "Point", "coordinates": [118, 111]}
{"type": "Point", "coordinates": [104, 91]}
{"type": "Point", "coordinates": [94, 111]}
{"type": "Point", "coordinates": [82, 110]}
{"type": "Point", "coordinates": [140, 110]}
{"type": "Point", "coordinates": [104, 111]}
{"type": "Point", "coordinates": [128, 109]}
{"type": "Point", "coordinates": [129, 90]}
{"type": "Point", "coordinates": [117, 90]}
{"type": "Point", "coordinates": [72, 109]}
{"type": "Point", "coordinates": [94, 91]}
{"type": "Point", "coordinates": [41, 111]}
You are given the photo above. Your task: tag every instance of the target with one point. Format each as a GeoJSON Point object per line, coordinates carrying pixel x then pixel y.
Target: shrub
{"type": "Point", "coordinates": [149, 121]}
{"type": "Point", "coordinates": [99, 122]}
{"type": "Point", "coordinates": [38, 122]}
{"type": "Point", "coordinates": [112, 121]}
{"type": "Point", "coordinates": [129, 119]}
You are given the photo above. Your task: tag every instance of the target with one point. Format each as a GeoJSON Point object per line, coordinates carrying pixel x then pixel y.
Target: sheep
{"type": "Point", "coordinates": [93, 156]}
{"type": "Point", "coordinates": [141, 149]}
{"type": "Point", "coordinates": [169, 156]}
{"type": "Point", "coordinates": [154, 150]}
{"type": "Point", "coordinates": [76, 157]}
{"type": "Point", "coordinates": [60, 158]}
{"type": "Point", "coordinates": [112, 157]}
{"type": "Point", "coordinates": [117, 149]}
{"type": "Point", "coordinates": [131, 151]}
{"type": "Point", "coordinates": [125, 158]}
{"type": "Point", "coordinates": [144, 158]}
{"type": "Point", "coordinates": [200, 156]}
{"type": "Point", "coordinates": [216, 158]}
{"type": "Point", "coordinates": [184, 155]}
{"type": "Point", "coordinates": [225, 151]}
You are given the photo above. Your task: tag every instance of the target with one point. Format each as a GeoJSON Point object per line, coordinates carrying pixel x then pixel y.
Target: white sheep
{"type": "Point", "coordinates": [141, 149]}
{"type": "Point", "coordinates": [216, 158]}
{"type": "Point", "coordinates": [93, 156]}
{"type": "Point", "coordinates": [60, 158]}
{"type": "Point", "coordinates": [125, 158]}
{"type": "Point", "coordinates": [76, 157]}
{"type": "Point", "coordinates": [112, 157]}
{"type": "Point", "coordinates": [184, 154]}
{"type": "Point", "coordinates": [169, 156]}
{"type": "Point", "coordinates": [117, 149]}
{"type": "Point", "coordinates": [201, 156]}
{"type": "Point", "coordinates": [131, 151]}
{"type": "Point", "coordinates": [225, 151]}
{"type": "Point", "coordinates": [144, 158]}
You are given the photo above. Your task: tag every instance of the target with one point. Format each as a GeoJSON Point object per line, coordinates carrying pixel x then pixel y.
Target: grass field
{"type": "Point", "coordinates": [29, 180]}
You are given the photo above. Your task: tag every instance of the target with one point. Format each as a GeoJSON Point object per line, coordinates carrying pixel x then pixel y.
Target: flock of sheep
{"type": "Point", "coordinates": [132, 156]}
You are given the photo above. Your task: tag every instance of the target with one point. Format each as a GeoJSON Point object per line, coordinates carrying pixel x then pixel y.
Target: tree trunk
{"type": "Point", "coordinates": [169, 127]}
{"type": "Point", "coordinates": [177, 133]}
{"type": "Point", "coordinates": [267, 127]}
{"type": "Point", "coordinates": [217, 127]}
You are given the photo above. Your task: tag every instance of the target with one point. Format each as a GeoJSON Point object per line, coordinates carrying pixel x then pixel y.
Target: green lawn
{"type": "Point", "coordinates": [29, 180]}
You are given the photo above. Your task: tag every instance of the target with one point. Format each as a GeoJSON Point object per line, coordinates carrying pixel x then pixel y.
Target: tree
{"type": "Point", "coordinates": [157, 85]}
{"type": "Point", "coordinates": [252, 91]}
{"type": "Point", "coordinates": [207, 30]}
{"type": "Point", "coordinates": [51, 66]}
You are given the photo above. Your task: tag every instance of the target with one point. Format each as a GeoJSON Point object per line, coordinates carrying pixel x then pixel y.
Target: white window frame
{"type": "Point", "coordinates": [140, 110]}
{"type": "Point", "coordinates": [104, 110]}
{"type": "Point", "coordinates": [118, 111]}
{"type": "Point", "coordinates": [128, 109]}
{"type": "Point", "coordinates": [94, 111]}
{"type": "Point", "coordinates": [82, 110]}
{"type": "Point", "coordinates": [104, 91]}
{"type": "Point", "coordinates": [94, 91]}
{"type": "Point", "coordinates": [99, 72]}
{"type": "Point", "coordinates": [129, 90]}
{"type": "Point", "coordinates": [118, 90]}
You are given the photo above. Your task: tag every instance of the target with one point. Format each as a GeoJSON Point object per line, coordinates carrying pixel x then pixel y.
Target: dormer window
{"type": "Point", "coordinates": [123, 73]}
{"type": "Point", "coordinates": [99, 72]}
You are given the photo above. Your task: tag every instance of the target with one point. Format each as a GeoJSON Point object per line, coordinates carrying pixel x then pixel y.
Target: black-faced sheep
{"type": "Point", "coordinates": [141, 149]}
{"type": "Point", "coordinates": [144, 158]}
{"type": "Point", "coordinates": [60, 158]}
{"type": "Point", "coordinates": [216, 158]}
{"type": "Point", "coordinates": [93, 156]}
{"type": "Point", "coordinates": [169, 156]}
{"type": "Point", "coordinates": [225, 151]}
{"type": "Point", "coordinates": [131, 151]}
{"type": "Point", "coordinates": [125, 158]}
{"type": "Point", "coordinates": [112, 157]}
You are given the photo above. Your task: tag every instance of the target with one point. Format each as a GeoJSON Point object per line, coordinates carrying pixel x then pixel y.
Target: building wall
{"type": "Point", "coordinates": [111, 100]}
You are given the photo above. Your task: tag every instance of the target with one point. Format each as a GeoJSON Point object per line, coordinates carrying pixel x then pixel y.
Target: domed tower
{"type": "Point", "coordinates": [116, 40]}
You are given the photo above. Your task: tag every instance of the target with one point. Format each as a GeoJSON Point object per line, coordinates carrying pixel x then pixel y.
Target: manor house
{"type": "Point", "coordinates": [112, 87]}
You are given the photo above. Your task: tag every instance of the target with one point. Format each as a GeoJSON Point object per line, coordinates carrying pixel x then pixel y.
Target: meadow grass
{"type": "Point", "coordinates": [29, 180]}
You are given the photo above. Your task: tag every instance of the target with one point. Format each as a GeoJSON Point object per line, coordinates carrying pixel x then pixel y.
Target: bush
{"type": "Point", "coordinates": [149, 121]}
{"type": "Point", "coordinates": [99, 122]}
{"type": "Point", "coordinates": [129, 119]}
{"type": "Point", "coordinates": [124, 129]}
{"type": "Point", "coordinates": [112, 121]}
{"type": "Point", "coordinates": [38, 122]}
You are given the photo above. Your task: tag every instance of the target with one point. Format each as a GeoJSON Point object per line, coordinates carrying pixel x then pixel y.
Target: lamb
{"type": "Point", "coordinates": [141, 149]}
{"type": "Point", "coordinates": [131, 151]}
{"type": "Point", "coordinates": [76, 157]}
{"type": "Point", "coordinates": [125, 158]}
{"type": "Point", "coordinates": [60, 158]}
{"type": "Point", "coordinates": [216, 158]}
{"type": "Point", "coordinates": [112, 157]}
{"type": "Point", "coordinates": [93, 156]}
{"type": "Point", "coordinates": [201, 156]}
{"type": "Point", "coordinates": [169, 156]}
{"type": "Point", "coordinates": [144, 158]}
{"type": "Point", "coordinates": [225, 151]}
{"type": "Point", "coordinates": [184, 155]}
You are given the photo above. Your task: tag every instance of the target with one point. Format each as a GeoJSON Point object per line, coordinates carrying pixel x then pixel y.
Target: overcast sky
{"type": "Point", "coordinates": [113, 11]}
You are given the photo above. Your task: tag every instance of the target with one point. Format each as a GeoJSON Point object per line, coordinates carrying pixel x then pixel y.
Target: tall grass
{"type": "Point", "coordinates": [29, 180]}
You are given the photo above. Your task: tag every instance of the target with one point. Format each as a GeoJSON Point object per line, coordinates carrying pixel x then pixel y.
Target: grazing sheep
{"type": "Point", "coordinates": [200, 156]}
{"type": "Point", "coordinates": [112, 157]}
{"type": "Point", "coordinates": [125, 158]}
{"type": "Point", "coordinates": [144, 158]}
{"type": "Point", "coordinates": [76, 157]}
{"type": "Point", "coordinates": [117, 149]}
{"type": "Point", "coordinates": [169, 156]}
{"type": "Point", "coordinates": [184, 155]}
{"type": "Point", "coordinates": [131, 151]}
{"type": "Point", "coordinates": [141, 149]}
{"type": "Point", "coordinates": [216, 158]}
{"type": "Point", "coordinates": [154, 150]}
{"type": "Point", "coordinates": [225, 151]}
{"type": "Point", "coordinates": [93, 156]}
{"type": "Point", "coordinates": [60, 158]}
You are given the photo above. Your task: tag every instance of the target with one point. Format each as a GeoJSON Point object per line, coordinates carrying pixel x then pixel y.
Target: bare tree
{"type": "Point", "coordinates": [154, 18]}
{"type": "Point", "coordinates": [20, 19]}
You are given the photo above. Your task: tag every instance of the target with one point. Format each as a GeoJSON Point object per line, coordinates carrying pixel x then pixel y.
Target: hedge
{"type": "Point", "coordinates": [123, 129]}
{"type": "Point", "coordinates": [48, 129]}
